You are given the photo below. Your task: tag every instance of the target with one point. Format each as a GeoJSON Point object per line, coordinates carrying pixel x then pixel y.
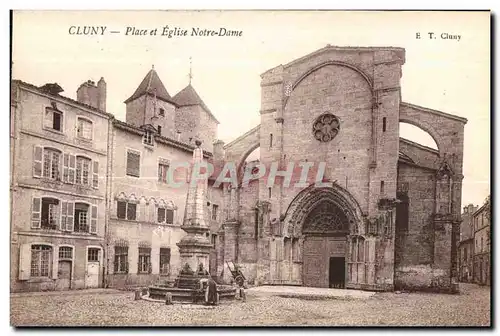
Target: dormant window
{"type": "Point", "coordinates": [121, 259]}
{"type": "Point", "coordinates": [83, 165]}
{"type": "Point", "coordinates": [53, 119]}
{"type": "Point", "coordinates": [41, 260]}
{"type": "Point", "coordinates": [84, 128]}
{"type": "Point", "coordinates": [144, 265]}
{"type": "Point", "coordinates": [133, 163]}
{"type": "Point", "coordinates": [147, 139]}
{"type": "Point", "coordinates": [126, 210]}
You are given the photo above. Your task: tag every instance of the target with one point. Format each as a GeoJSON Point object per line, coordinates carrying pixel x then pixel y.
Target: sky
{"type": "Point", "coordinates": [449, 75]}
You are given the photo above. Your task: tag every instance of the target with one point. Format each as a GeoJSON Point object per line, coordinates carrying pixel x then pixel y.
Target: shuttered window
{"type": "Point", "coordinates": [84, 129]}
{"type": "Point", "coordinates": [144, 264]}
{"type": "Point", "coordinates": [133, 163]}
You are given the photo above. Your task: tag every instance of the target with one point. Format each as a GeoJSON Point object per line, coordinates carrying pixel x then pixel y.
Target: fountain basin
{"type": "Point", "coordinates": [189, 295]}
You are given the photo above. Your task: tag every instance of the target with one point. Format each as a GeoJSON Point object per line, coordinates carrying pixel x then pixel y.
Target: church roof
{"type": "Point", "coordinates": [188, 97]}
{"type": "Point", "coordinates": [149, 85]}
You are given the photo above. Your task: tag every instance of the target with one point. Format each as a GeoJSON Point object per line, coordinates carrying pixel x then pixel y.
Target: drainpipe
{"type": "Point", "coordinates": [109, 177]}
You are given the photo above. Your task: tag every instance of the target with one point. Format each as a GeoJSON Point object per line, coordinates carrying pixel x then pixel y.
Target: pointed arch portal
{"type": "Point", "coordinates": [335, 251]}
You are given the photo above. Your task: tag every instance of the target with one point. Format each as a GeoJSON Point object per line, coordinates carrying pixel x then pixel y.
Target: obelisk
{"type": "Point", "coordinates": [194, 247]}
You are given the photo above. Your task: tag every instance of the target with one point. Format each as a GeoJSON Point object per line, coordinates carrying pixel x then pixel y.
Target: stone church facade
{"type": "Point", "coordinates": [385, 217]}
{"type": "Point", "coordinates": [390, 213]}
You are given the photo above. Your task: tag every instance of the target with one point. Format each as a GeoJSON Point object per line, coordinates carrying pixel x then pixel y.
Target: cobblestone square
{"type": "Point", "coordinates": [113, 308]}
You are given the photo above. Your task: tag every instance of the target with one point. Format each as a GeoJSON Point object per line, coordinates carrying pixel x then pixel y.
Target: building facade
{"type": "Point", "coordinates": [387, 216]}
{"type": "Point", "coordinates": [59, 184]}
{"type": "Point", "coordinates": [466, 245]}
{"type": "Point", "coordinates": [384, 214]}
{"type": "Point", "coordinates": [482, 233]}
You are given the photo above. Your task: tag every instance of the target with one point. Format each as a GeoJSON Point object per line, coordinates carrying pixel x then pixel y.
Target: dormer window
{"type": "Point", "coordinates": [148, 138]}
{"type": "Point", "coordinates": [161, 112]}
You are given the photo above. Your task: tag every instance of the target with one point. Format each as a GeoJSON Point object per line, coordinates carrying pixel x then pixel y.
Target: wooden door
{"type": "Point", "coordinates": [64, 275]}
{"type": "Point", "coordinates": [315, 267]}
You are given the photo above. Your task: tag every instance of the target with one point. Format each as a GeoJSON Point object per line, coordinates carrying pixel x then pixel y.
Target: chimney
{"type": "Point", "coordinates": [90, 94]}
{"type": "Point", "coordinates": [101, 96]}
{"type": "Point", "coordinates": [218, 150]}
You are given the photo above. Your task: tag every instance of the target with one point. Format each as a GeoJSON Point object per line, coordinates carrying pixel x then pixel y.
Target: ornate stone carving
{"type": "Point", "coordinates": [326, 216]}
{"type": "Point", "coordinates": [326, 127]}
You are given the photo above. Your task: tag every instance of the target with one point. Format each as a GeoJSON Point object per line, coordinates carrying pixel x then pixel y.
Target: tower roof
{"type": "Point", "coordinates": [149, 85]}
{"type": "Point", "coordinates": [188, 97]}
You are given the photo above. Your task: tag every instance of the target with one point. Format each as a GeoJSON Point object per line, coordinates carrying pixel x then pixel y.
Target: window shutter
{"type": "Point", "coordinates": [36, 213]}
{"type": "Point", "coordinates": [95, 174]}
{"type": "Point", "coordinates": [37, 161]}
{"type": "Point", "coordinates": [72, 169]}
{"type": "Point", "coordinates": [69, 217]}
{"type": "Point", "coordinates": [24, 261]}
{"type": "Point", "coordinates": [64, 212]}
{"type": "Point", "coordinates": [133, 163]}
{"type": "Point", "coordinates": [65, 168]}
{"type": "Point", "coordinates": [93, 219]}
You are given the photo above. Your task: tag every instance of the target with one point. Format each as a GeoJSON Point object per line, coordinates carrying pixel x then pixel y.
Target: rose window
{"type": "Point", "coordinates": [326, 127]}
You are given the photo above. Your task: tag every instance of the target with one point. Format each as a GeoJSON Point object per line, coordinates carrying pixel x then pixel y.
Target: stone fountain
{"type": "Point", "coordinates": [194, 247]}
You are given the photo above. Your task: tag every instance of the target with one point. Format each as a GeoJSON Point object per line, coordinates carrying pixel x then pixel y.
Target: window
{"type": "Point", "coordinates": [81, 217]}
{"type": "Point", "coordinates": [384, 124]}
{"type": "Point", "coordinates": [83, 170]}
{"type": "Point", "coordinates": [162, 171]}
{"type": "Point", "coordinates": [93, 254]}
{"type": "Point", "coordinates": [170, 216]}
{"type": "Point", "coordinates": [84, 129]}
{"type": "Point", "coordinates": [133, 163]}
{"type": "Point", "coordinates": [144, 265]}
{"type": "Point", "coordinates": [53, 119]}
{"type": "Point", "coordinates": [161, 112]}
{"type": "Point", "coordinates": [121, 259]}
{"type": "Point", "coordinates": [215, 208]}
{"type": "Point", "coordinates": [382, 187]}
{"type": "Point", "coordinates": [51, 164]}
{"type": "Point", "coordinates": [66, 252]}
{"type": "Point", "coordinates": [148, 138]}
{"type": "Point", "coordinates": [270, 140]}
{"type": "Point", "coordinates": [41, 260]}
{"type": "Point", "coordinates": [214, 239]}
{"type": "Point", "coordinates": [164, 260]}
{"type": "Point", "coordinates": [159, 130]}
{"type": "Point", "coordinates": [126, 210]}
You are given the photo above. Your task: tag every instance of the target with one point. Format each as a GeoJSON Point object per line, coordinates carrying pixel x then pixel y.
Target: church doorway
{"type": "Point", "coordinates": [337, 272]}
{"type": "Point", "coordinates": [325, 232]}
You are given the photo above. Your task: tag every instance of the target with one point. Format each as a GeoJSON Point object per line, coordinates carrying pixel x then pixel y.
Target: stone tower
{"type": "Point", "coordinates": [151, 104]}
